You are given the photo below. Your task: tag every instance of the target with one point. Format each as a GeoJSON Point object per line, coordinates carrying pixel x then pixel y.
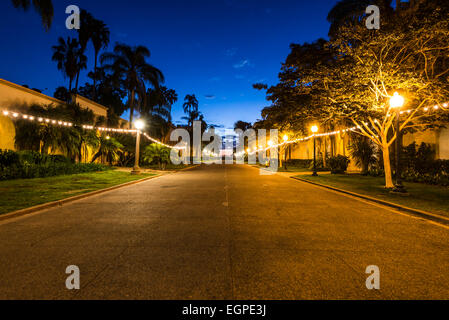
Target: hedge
{"type": "Point", "coordinates": [30, 164]}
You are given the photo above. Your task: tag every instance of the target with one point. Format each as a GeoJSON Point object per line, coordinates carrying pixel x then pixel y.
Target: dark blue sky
{"type": "Point", "coordinates": [215, 49]}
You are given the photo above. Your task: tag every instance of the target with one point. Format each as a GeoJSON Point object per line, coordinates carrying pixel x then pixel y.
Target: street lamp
{"type": "Point", "coordinates": [139, 125]}
{"type": "Point", "coordinates": [285, 138]}
{"type": "Point", "coordinates": [397, 102]}
{"type": "Point", "coordinates": [314, 130]}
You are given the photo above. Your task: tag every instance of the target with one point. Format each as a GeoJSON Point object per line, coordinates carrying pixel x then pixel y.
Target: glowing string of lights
{"type": "Point", "coordinates": [18, 115]}
{"type": "Point", "coordinates": [272, 145]}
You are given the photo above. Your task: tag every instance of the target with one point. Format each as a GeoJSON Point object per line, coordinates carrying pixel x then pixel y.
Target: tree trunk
{"type": "Point", "coordinates": [131, 109]}
{"type": "Point", "coordinates": [387, 167]}
{"type": "Point", "coordinates": [365, 168]}
{"type": "Point", "coordinates": [94, 93]}
{"type": "Point", "coordinates": [70, 85]}
{"type": "Point", "coordinates": [96, 156]}
{"type": "Point", "coordinates": [324, 151]}
{"type": "Point", "coordinates": [77, 80]}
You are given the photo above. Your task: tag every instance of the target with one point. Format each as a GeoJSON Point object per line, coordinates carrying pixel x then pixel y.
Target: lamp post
{"type": "Point", "coordinates": [397, 102]}
{"type": "Point", "coordinates": [139, 125]}
{"type": "Point", "coordinates": [314, 130]}
{"type": "Point", "coordinates": [285, 138]}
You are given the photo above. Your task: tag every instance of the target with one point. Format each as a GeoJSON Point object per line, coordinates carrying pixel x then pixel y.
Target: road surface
{"type": "Point", "coordinates": [223, 232]}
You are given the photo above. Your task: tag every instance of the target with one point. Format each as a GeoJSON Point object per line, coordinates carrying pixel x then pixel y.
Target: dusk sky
{"type": "Point", "coordinates": [215, 49]}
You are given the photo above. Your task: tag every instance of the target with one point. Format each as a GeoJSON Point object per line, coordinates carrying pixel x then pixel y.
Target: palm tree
{"type": "Point", "coordinates": [156, 109]}
{"type": "Point", "coordinates": [67, 55]}
{"type": "Point", "coordinates": [159, 101]}
{"type": "Point", "coordinates": [84, 35]}
{"type": "Point", "coordinates": [190, 107]}
{"type": "Point", "coordinates": [156, 153]}
{"type": "Point", "coordinates": [100, 40]}
{"type": "Point", "coordinates": [363, 151]}
{"type": "Point", "coordinates": [109, 151]}
{"type": "Point", "coordinates": [43, 7]}
{"type": "Point", "coordinates": [130, 64]}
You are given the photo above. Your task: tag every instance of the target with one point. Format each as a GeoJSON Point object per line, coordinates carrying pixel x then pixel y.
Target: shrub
{"type": "Point", "coordinates": [338, 164]}
{"type": "Point", "coordinates": [156, 154]}
{"type": "Point", "coordinates": [363, 151]}
{"type": "Point", "coordinates": [8, 158]}
{"type": "Point", "coordinates": [419, 165]}
{"type": "Point", "coordinates": [319, 165]}
{"type": "Point", "coordinates": [300, 163]}
{"type": "Point", "coordinates": [31, 164]}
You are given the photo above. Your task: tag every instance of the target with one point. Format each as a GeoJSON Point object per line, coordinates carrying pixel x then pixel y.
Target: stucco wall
{"type": "Point", "coordinates": [438, 138]}
{"type": "Point", "coordinates": [98, 109]}
{"type": "Point", "coordinates": [444, 144]}
{"type": "Point", "coordinates": [12, 94]}
{"type": "Point", "coordinates": [7, 133]}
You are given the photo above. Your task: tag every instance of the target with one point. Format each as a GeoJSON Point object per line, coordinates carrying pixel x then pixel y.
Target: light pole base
{"type": "Point", "coordinates": [314, 174]}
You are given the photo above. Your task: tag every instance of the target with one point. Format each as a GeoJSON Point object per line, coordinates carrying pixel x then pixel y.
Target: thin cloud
{"type": "Point", "coordinates": [210, 96]}
{"type": "Point", "coordinates": [231, 52]}
{"type": "Point", "coordinates": [242, 64]}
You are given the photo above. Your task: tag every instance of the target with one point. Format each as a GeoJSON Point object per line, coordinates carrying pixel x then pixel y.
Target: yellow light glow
{"type": "Point", "coordinates": [397, 101]}
{"type": "Point", "coordinates": [139, 124]}
{"type": "Point", "coordinates": [285, 138]}
{"type": "Point", "coordinates": [270, 143]}
{"type": "Point", "coordinates": [314, 129]}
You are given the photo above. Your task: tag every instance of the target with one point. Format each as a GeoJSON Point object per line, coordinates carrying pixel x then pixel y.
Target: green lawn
{"type": "Point", "coordinates": [20, 194]}
{"type": "Point", "coordinates": [423, 197]}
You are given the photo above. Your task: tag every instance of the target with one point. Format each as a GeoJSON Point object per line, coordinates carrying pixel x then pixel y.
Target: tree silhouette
{"type": "Point", "coordinates": [43, 7]}
{"type": "Point", "coordinates": [129, 63]}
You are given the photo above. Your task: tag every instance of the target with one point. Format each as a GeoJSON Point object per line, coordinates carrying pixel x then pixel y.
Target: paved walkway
{"type": "Point", "coordinates": [222, 232]}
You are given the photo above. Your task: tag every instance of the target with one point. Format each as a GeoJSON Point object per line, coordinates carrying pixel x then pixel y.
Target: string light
{"type": "Point", "coordinates": [352, 129]}
{"type": "Point", "coordinates": [86, 127]}
{"type": "Point", "coordinates": [261, 148]}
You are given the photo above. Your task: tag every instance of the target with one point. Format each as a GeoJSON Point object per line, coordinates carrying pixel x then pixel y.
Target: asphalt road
{"type": "Point", "coordinates": [223, 232]}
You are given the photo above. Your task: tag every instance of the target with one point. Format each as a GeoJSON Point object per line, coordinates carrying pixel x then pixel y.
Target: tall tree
{"type": "Point", "coordinates": [61, 93]}
{"type": "Point", "coordinates": [130, 64]}
{"type": "Point", "coordinates": [242, 125]}
{"type": "Point", "coordinates": [100, 40]}
{"type": "Point", "coordinates": [67, 55]}
{"type": "Point", "coordinates": [110, 92]}
{"type": "Point", "coordinates": [84, 36]}
{"type": "Point", "coordinates": [43, 7]}
{"type": "Point", "coordinates": [157, 110]}
{"type": "Point", "coordinates": [190, 108]}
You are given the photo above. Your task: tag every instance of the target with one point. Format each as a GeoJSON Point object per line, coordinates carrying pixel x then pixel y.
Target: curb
{"type": "Point", "coordinates": [414, 212]}
{"type": "Point", "coordinates": [188, 168]}
{"type": "Point", "coordinates": [59, 203]}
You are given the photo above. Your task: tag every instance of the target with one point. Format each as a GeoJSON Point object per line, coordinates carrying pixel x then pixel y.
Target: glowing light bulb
{"type": "Point", "coordinates": [139, 124]}
{"type": "Point", "coordinates": [396, 101]}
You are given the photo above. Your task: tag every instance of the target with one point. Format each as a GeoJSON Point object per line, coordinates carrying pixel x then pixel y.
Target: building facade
{"type": "Point", "coordinates": [12, 94]}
